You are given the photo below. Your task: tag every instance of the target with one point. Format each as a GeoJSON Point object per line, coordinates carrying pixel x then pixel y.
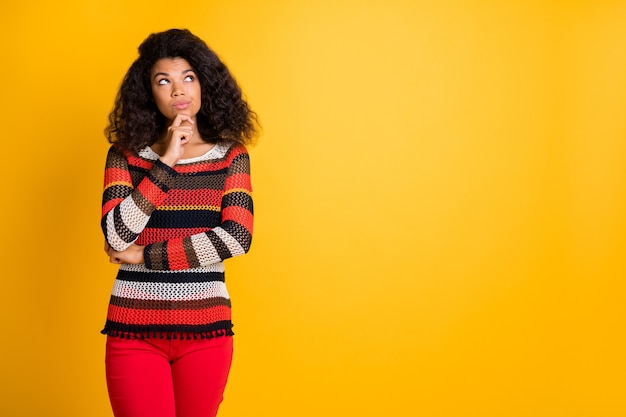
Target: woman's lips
{"type": "Point", "coordinates": [181, 105]}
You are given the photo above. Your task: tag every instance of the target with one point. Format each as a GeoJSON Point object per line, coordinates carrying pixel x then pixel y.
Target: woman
{"type": "Point", "coordinates": [176, 203]}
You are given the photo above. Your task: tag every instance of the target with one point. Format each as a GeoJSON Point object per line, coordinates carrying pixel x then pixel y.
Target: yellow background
{"type": "Point", "coordinates": [440, 206]}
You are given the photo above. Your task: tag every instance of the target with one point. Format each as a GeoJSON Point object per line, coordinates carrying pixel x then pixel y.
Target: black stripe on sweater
{"type": "Point", "coordinates": [170, 277]}
{"type": "Point", "coordinates": [136, 304]}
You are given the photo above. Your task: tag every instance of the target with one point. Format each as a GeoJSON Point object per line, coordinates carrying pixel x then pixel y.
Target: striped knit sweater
{"type": "Point", "coordinates": [190, 218]}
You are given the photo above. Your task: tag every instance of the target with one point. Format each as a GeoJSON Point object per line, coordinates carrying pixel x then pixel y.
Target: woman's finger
{"type": "Point", "coordinates": [180, 118]}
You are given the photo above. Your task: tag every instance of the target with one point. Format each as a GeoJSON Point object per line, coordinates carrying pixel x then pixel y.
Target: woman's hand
{"type": "Point", "coordinates": [178, 134]}
{"type": "Point", "coordinates": [132, 255]}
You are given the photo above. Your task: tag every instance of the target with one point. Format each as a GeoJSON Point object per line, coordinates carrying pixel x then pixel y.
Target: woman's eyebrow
{"type": "Point", "coordinates": [165, 74]}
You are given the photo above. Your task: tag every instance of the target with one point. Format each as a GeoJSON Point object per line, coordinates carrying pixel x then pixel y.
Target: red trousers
{"type": "Point", "coordinates": [167, 378]}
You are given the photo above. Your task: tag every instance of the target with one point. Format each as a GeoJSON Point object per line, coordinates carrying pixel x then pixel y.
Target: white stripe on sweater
{"type": "Point", "coordinates": [169, 291]}
{"type": "Point", "coordinates": [234, 247]}
{"type": "Point", "coordinates": [215, 267]}
{"type": "Point", "coordinates": [134, 219]}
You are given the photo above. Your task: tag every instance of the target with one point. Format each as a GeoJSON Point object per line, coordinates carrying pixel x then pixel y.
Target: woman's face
{"type": "Point", "coordinates": [175, 88]}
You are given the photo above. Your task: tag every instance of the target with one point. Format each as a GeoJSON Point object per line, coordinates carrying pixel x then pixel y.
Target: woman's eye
{"type": "Point", "coordinates": [163, 81]}
{"type": "Point", "coordinates": [189, 78]}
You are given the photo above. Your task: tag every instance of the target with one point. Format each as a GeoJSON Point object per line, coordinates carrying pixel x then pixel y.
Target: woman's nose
{"type": "Point", "coordinates": [177, 90]}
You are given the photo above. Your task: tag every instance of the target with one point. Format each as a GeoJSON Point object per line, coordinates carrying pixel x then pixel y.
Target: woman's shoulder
{"type": "Point", "coordinates": [124, 158]}
{"type": "Point", "coordinates": [234, 148]}
{"type": "Point", "coordinates": [119, 152]}
{"type": "Point", "coordinates": [227, 150]}
{"type": "Point", "coordinates": [116, 155]}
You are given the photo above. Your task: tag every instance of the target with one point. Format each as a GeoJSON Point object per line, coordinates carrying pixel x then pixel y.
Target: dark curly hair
{"type": "Point", "coordinates": [135, 121]}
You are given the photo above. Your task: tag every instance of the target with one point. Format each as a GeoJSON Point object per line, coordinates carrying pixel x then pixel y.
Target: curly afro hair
{"type": "Point", "coordinates": [135, 121]}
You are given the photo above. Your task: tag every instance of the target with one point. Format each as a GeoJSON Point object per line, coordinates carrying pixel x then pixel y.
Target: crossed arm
{"type": "Point", "coordinates": [126, 211]}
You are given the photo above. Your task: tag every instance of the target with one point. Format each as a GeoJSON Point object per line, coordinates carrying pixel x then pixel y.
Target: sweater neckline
{"type": "Point", "coordinates": [217, 151]}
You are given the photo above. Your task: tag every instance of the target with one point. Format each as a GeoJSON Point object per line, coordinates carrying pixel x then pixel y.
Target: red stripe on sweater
{"type": "Point", "coordinates": [113, 174]}
{"type": "Point", "coordinates": [238, 181]}
{"type": "Point", "coordinates": [139, 162]}
{"type": "Point", "coordinates": [176, 255]}
{"type": "Point", "coordinates": [151, 192]}
{"type": "Point", "coordinates": [110, 205]}
{"type": "Point", "coordinates": [152, 235]}
{"type": "Point", "coordinates": [180, 317]}
{"type": "Point", "coordinates": [239, 215]}
{"type": "Point", "coordinates": [202, 196]}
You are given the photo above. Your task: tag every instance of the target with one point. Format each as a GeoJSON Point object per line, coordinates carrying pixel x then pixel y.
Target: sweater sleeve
{"type": "Point", "coordinates": [231, 238]}
{"type": "Point", "coordinates": [126, 209]}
